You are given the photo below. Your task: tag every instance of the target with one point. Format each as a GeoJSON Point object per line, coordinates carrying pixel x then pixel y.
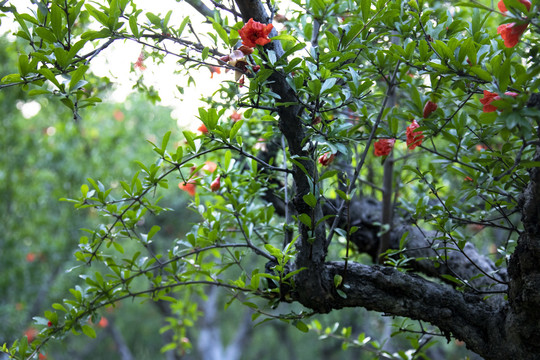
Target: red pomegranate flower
{"type": "Point", "coordinates": [487, 100]}
{"type": "Point", "coordinates": [31, 333]}
{"type": "Point", "coordinates": [511, 33]}
{"type": "Point", "coordinates": [326, 158]}
{"type": "Point", "coordinates": [210, 166]}
{"type": "Point", "coordinates": [503, 8]}
{"type": "Point", "coordinates": [383, 147]}
{"type": "Point", "coordinates": [254, 33]}
{"type": "Point", "coordinates": [235, 116]}
{"type": "Point", "coordinates": [414, 138]}
{"type": "Point", "coordinates": [203, 129]}
{"type": "Point", "coordinates": [489, 97]}
{"type": "Point", "coordinates": [103, 322]}
{"type": "Point", "coordinates": [429, 108]}
{"type": "Point", "coordinates": [188, 187]}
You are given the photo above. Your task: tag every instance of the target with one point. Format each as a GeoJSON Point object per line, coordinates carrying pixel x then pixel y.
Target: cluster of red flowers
{"type": "Point", "coordinates": [489, 97]}
{"type": "Point", "coordinates": [511, 32]}
{"type": "Point", "coordinates": [253, 33]}
{"type": "Point", "coordinates": [383, 147]}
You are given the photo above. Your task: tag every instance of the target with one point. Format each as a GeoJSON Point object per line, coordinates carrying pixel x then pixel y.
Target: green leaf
{"type": "Point", "coordinates": [182, 26]}
{"type": "Point", "coordinates": [234, 130]}
{"type": "Point", "coordinates": [205, 53]}
{"type": "Point", "coordinates": [75, 48]}
{"type": "Point", "coordinates": [24, 66]}
{"type": "Point", "coordinates": [165, 140]}
{"type": "Point", "coordinates": [56, 21]}
{"type": "Point", "coordinates": [89, 331]}
{"type": "Point", "coordinates": [133, 25]}
{"type": "Point", "coordinates": [189, 138]}
{"type": "Point", "coordinates": [328, 174]}
{"type": "Point", "coordinates": [76, 76]}
{"type": "Point", "coordinates": [168, 347]}
{"type": "Point", "coordinates": [366, 9]}
{"type": "Point", "coordinates": [221, 32]}
{"type": "Point", "coordinates": [11, 78]}
{"type": "Point", "coordinates": [305, 219]}
{"type": "Point", "coordinates": [98, 15]}
{"type": "Point", "coordinates": [301, 326]}
{"type": "Point", "coordinates": [35, 92]}
{"type": "Point", "coordinates": [61, 57]}
{"type": "Point", "coordinates": [284, 36]}
{"type": "Point", "coordinates": [153, 231]}
{"type": "Point", "coordinates": [481, 73]}
{"type": "Point", "coordinates": [45, 34]}
{"type": "Point", "coordinates": [49, 76]}
{"type": "Point", "coordinates": [154, 19]}
{"type": "Point", "coordinates": [310, 199]}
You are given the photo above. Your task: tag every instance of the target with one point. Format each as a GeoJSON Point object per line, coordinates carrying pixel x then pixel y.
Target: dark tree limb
{"type": "Point", "coordinates": [466, 316]}
{"type": "Point", "coordinates": [523, 320]}
{"type": "Point", "coordinates": [433, 255]}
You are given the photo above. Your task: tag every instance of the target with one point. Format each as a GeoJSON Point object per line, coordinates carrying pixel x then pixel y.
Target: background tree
{"type": "Point", "coordinates": [404, 130]}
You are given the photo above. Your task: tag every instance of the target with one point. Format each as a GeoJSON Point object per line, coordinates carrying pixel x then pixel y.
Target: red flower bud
{"type": "Point", "coordinates": [246, 50]}
{"type": "Point", "coordinates": [429, 108]}
{"type": "Point", "coordinates": [256, 68]}
{"type": "Point", "coordinates": [280, 18]}
{"type": "Point", "coordinates": [216, 184]}
{"type": "Point", "coordinates": [326, 159]}
{"type": "Point", "coordinates": [49, 324]}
